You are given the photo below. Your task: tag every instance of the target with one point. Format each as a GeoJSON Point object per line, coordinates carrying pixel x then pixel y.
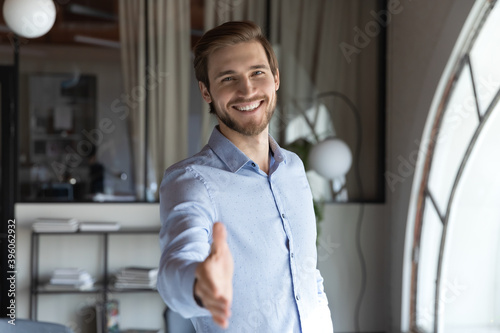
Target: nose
{"type": "Point", "coordinates": [245, 86]}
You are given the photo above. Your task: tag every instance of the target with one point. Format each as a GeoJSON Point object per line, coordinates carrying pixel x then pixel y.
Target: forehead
{"type": "Point", "coordinates": [237, 57]}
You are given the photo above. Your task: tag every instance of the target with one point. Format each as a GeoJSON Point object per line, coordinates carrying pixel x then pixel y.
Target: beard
{"type": "Point", "coordinates": [249, 129]}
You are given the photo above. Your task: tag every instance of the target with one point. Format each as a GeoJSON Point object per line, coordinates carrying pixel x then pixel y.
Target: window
{"type": "Point", "coordinates": [456, 250]}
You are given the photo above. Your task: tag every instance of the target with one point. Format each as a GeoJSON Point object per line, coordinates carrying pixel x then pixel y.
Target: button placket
{"type": "Point", "coordinates": [291, 249]}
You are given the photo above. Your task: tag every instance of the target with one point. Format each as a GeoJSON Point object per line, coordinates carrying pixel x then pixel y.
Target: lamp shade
{"type": "Point", "coordinates": [331, 158]}
{"type": "Point", "coordinates": [29, 18]}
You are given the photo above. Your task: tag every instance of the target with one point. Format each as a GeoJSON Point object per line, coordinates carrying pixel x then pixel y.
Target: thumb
{"type": "Point", "coordinates": [219, 235]}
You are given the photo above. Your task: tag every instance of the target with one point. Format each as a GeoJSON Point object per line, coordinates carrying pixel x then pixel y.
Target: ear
{"type": "Point", "coordinates": [277, 80]}
{"type": "Point", "coordinates": [204, 92]}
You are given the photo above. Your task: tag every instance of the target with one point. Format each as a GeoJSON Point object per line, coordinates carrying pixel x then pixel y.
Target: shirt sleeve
{"type": "Point", "coordinates": [187, 215]}
{"type": "Point", "coordinates": [324, 316]}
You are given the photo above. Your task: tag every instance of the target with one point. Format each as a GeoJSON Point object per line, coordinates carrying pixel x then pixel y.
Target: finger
{"type": "Point", "coordinates": [219, 235]}
{"type": "Point", "coordinates": [211, 300]}
{"type": "Point", "coordinates": [221, 321]}
{"type": "Point", "coordinates": [219, 313]}
{"type": "Point", "coordinates": [220, 307]}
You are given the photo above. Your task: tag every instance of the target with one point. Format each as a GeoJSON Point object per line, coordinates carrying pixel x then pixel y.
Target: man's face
{"type": "Point", "coordinates": [242, 88]}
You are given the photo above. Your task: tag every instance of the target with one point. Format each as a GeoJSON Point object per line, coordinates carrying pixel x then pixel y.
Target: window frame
{"type": "Point", "coordinates": [458, 64]}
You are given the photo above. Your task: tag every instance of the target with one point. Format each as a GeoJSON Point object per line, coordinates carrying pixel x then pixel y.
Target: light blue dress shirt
{"type": "Point", "coordinates": [271, 234]}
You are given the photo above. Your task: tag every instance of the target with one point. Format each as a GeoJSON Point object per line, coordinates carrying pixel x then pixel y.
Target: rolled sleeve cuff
{"type": "Point", "coordinates": [190, 307]}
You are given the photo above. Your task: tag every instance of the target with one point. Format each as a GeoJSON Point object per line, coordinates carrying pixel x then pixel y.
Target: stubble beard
{"type": "Point", "coordinates": [248, 129]}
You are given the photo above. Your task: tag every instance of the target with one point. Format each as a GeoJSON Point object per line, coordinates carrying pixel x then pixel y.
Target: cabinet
{"type": "Point", "coordinates": [107, 241]}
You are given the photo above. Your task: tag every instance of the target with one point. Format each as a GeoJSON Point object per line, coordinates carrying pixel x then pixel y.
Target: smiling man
{"type": "Point", "coordinates": [238, 235]}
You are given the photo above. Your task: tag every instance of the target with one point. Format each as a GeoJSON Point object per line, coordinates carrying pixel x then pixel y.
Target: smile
{"type": "Point", "coordinates": [248, 107]}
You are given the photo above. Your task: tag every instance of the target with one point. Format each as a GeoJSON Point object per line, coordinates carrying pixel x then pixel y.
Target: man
{"type": "Point", "coordinates": [243, 198]}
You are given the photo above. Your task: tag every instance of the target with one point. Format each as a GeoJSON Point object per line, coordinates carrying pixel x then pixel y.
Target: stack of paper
{"type": "Point", "coordinates": [99, 226]}
{"type": "Point", "coordinates": [55, 225]}
{"type": "Point", "coordinates": [130, 330]}
{"type": "Point", "coordinates": [71, 278]}
{"type": "Point", "coordinates": [136, 277]}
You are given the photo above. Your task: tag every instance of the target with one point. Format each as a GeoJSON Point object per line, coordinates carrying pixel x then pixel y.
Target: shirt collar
{"type": "Point", "coordinates": [232, 156]}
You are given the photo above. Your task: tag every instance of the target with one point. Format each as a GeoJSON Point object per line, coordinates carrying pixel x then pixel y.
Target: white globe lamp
{"type": "Point", "coordinates": [29, 18]}
{"type": "Point", "coordinates": [331, 158]}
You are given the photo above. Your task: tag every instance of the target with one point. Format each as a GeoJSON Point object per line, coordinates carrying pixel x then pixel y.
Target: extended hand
{"type": "Point", "coordinates": [214, 278]}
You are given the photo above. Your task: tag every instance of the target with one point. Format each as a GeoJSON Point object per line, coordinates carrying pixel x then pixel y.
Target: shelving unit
{"type": "Point", "coordinates": [102, 289]}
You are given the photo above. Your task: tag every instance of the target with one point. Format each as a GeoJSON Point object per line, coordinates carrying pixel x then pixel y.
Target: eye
{"type": "Point", "coordinates": [258, 72]}
{"type": "Point", "coordinates": [227, 79]}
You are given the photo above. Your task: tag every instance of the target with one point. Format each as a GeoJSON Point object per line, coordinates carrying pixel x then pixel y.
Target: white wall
{"type": "Point", "coordinates": [340, 266]}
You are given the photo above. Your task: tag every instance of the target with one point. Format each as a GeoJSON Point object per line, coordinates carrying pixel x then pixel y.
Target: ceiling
{"type": "Point", "coordinates": [92, 19]}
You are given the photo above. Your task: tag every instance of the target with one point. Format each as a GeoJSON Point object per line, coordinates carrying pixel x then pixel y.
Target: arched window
{"type": "Point", "coordinates": [455, 262]}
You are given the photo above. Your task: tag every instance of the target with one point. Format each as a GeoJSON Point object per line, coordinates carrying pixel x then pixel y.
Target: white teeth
{"type": "Point", "coordinates": [248, 107]}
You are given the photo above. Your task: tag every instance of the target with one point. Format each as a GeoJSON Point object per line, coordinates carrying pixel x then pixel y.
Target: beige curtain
{"type": "Point", "coordinates": [220, 11]}
{"type": "Point", "coordinates": [155, 37]}
{"type": "Point", "coordinates": [132, 30]}
{"type": "Point", "coordinates": [308, 36]}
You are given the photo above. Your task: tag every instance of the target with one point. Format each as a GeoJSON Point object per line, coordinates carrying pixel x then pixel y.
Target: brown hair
{"type": "Point", "coordinates": [228, 34]}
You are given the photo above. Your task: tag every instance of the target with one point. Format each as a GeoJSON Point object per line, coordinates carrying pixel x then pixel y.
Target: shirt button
{"type": "Point", "coordinates": [291, 254]}
{"type": "Point", "coordinates": [297, 298]}
{"type": "Point", "coordinates": [253, 164]}
{"type": "Point", "coordinates": [283, 215]}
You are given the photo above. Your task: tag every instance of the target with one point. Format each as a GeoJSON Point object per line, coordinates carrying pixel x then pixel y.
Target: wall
{"type": "Point", "coordinates": [340, 265]}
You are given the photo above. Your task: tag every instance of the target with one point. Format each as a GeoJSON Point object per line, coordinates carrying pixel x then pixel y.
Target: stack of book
{"type": "Point", "coordinates": [70, 278]}
{"type": "Point", "coordinates": [99, 226]}
{"type": "Point", "coordinates": [136, 278]}
{"type": "Point", "coordinates": [55, 225]}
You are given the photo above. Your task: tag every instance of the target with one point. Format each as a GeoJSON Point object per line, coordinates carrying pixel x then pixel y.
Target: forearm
{"type": "Point", "coordinates": [184, 239]}
{"type": "Point", "coordinates": [175, 285]}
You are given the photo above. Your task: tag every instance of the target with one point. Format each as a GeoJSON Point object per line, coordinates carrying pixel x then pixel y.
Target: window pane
{"type": "Point", "coordinates": [471, 285]}
{"type": "Point", "coordinates": [73, 146]}
{"type": "Point", "coordinates": [458, 125]}
{"type": "Point", "coordinates": [484, 58]}
{"type": "Point", "coordinates": [432, 229]}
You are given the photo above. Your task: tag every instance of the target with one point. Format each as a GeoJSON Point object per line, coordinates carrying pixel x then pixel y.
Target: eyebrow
{"type": "Point", "coordinates": [230, 72]}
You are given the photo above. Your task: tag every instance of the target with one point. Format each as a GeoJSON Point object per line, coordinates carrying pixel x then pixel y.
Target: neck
{"type": "Point", "coordinates": [256, 147]}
